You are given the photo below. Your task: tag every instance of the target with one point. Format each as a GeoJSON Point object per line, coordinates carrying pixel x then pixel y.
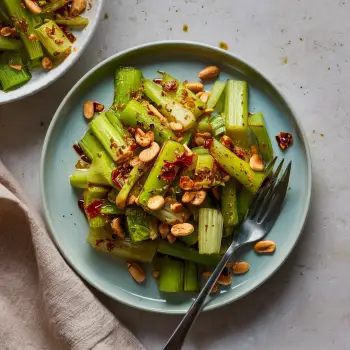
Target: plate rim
{"type": "Point", "coordinates": [60, 74]}
{"type": "Point", "coordinates": [55, 118]}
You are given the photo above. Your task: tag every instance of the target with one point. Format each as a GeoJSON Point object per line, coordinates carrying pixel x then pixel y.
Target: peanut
{"type": "Point", "coordinates": [265, 247]}
{"type": "Point", "coordinates": [32, 6]}
{"type": "Point", "coordinates": [205, 96]}
{"type": "Point", "coordinates": [154, 111]}
{"type": "Point", "coordinates": [256, 163]}
{"type": "Point", "coordinates": [135, 161]}
{"type": "Point", "coordinates": [209, 72]}
{"type": "Point", "coordinates": [188, 197]}
{"type": "Point", "coordinates": [17, 67]}
{"type": "Point", "coordinates": [89, 109]}
{"type": "Point", "coordinates": [6, 31]}
{"type": "Point", "coordinates": [199, 197]}
{"type": "Point", "coordinates": [223, 279]}
{"type": "Point", "coordinates": [254, 149]}
{"type": "Point", "coordinates": [240, 268]}
{"type": "Point", "coordinates": [47, 64]}
{"type": "Point", "coordinates": [131, 200]}
{"type": "Point", "coordinates": [186, 183]}
{"type": "Point", "coordinates": [148, 154]}
{"type": "Point", "coordinates": [208, 111]}
{"type": "Point", "coordinates": [78, 6]}
{"type": "Point", "coordinates": [176, 207]}
{"type": "Point", "coordinates": [117, 228]}
{"type": "Point", "coordinates": [176, 126]}
{"type": "Point", "coordinates": [144, 139]}
{"type": "Point", "coordinates": [136, 272]}
{"type": "Point", "coordinates": [155, 203]}
{"type": "Point", "coordinates": [194, 86]}
{"type": "Point", "coordinates": [184, 229]}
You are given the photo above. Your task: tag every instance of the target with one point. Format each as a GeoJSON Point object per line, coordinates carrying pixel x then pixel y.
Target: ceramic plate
{"type": "Point", "coordinates": [69, 227]}
{"type": "Point", "coordinates": [41, 78]}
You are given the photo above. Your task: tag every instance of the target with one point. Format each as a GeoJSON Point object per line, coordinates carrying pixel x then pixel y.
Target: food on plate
{"type": "Point", "coordinates": [167, 176]}
{"type": "Point", "coordinates": [33, 34]}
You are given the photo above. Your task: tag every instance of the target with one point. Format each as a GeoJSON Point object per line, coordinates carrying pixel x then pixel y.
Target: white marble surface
{"type": "Point", "coordinates": [303, 46]}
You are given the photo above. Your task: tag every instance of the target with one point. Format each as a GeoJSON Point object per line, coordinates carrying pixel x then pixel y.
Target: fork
{"type": "Point", "coordinates": [260, 218]}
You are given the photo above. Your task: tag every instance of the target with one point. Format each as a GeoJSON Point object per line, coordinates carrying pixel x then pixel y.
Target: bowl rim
{"type": "Point", "coordinates": [303, 137]}
{"type": "Point", "coordinates": [58, 74]}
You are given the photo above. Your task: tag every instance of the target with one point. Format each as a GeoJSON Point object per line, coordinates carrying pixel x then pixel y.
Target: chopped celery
{"type": "Point", "coordinates": [236, 112]}
{"type": "Point", "coordinates": [101, 239]}
{"type": "Point", "coordinates": [191, 277]}
{"type": "Point", "coordinates": [229, 206]}
{"type": "Point", "coordinates": [111, 140]}
{"type": "Point", "coordinates": [200, 150]}
{"type": "Point", "coordinates": [217, 124]}
{"type": "Point", "coordinates": [257, 126]}
{"type": "Point", "coordinates": [171, 276]}
{"type": "Point", "coordinates": [166, 215]}
{"type": "Point", "coordinates": [53, 6]}
{"type": "Point", "coordinates": [204, 125]}
{"type": "Point", "coordinates": [204, 169]}
{"type": "Point", "coordinates": [215, 93]}
{"type": "Point", "coordinates": [186, 137]}
{"type": "Point", "coordinates": [54, 40]}
{"type": "Point", "coordinates": [210, 231]}
{"type": "Point", "coordinates": [155, 185]}
{"type": "Point", "coordinates": [9, 44]}
{"type": "Point", "coordinates": [236, 167]}
{"type": "Point", "coordinates": [179, 250]}
{"type": "Point", "coordinates": [174, 111]}
{"type": "Point", "coordinates": [72, 22]}
{"type": "Point", "coordinates": [183, 95]}
{"type": "Point", "coordinates": [99, 172]}
{"type": "Point", "coordinates": [136, 115]}
{"type": "Point", "coordinates": [191, 239]}
{"type": "Point", "coordinates": [113, 116]}
{"type": "Point", "coordinates": [91, 194]}
{"type": "Point", "coordinates": [11, 78]}
{"type": "Point", "coordinates": [127, 84]}
{"type": "Point", "coordinates": [111, 209]}
{"type": "Point", "coordinates": [244, 200]}
{"type": "Point", "coordinates": [90, 145]}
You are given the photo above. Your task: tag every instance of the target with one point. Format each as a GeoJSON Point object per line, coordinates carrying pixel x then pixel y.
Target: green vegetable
{"type": "Point", "coordinates": [113, 116]}
{"type": "Point", "coordinates": [215, 93]}
{"type": "Point", "coordinates": [53, 6]}
{"type": "Point", "coordinates": [91, 194]}
{"type": "Point", "coordinates": [72, 22]}
{"type": "Point", "coordinates": [244, 200]}
{"type": "Point", "coordinates": [236, 167]}
{"type": "Point", "coordinates": [204, 169]}
{"type": "Point", "coordinates": [217, 124]}
{"type": "Point", "coordinates": [54, 40]}
{"type": "Point", "coordinates": [171, 276]}
{"type": "Point", "coordinates": [136, 115]}
{"type": "Point", "coordinates": [204, 125]}
{"type": "Point", "coordinates": [236, 112]}
{"type": "Point", "coordinates": [179, 250]}
{"type": "Point", "coordinates": [172, 110]}
{"type": "Point", "coordinates": [90, 145]}
{"type": "Point", "coordinates": [111, 209]}
{"type": "Point", "coordinates": [191, 277]}
{"type": "Point", "coordinates": [101, 239]}
{"type": "Point", "coordinates": [229, 207]}
{"type": "Point", "coordinates": [99, 172]}
{"type": "Point", "coordinates": [191, 239]}
{"type": "Point", "coordinates": [155, 185]}
{"type": "Point", "coordinates": [257, 126]}
{"type": "Point", "coordinates": [210, 231]}
{"type": "Point", "coordinates": [9, 44]}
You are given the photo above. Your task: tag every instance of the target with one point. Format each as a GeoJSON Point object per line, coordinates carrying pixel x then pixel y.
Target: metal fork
{"type": "Point", "coordinates": [261, 217]}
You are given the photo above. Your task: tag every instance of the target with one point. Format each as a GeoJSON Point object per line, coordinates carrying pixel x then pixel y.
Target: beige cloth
{"type": "Point", "coordinates": [43, 304]}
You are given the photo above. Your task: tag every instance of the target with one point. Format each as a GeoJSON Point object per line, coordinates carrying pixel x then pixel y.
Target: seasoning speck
{"type": "Point", "coordinates": [185, 28]}
{"type": "Point", "coordinates": [106, 16]}
{"type": "Point", "coordinates": [321, 135]}
{"type": "Point", "coordinates": [285, 60]}
{"type": "Point", "coordinates": [223, 45]}
{"type": "Point", "coordinates": [301, 39]}
{"type": "Point", "coordinates": [329, 68]}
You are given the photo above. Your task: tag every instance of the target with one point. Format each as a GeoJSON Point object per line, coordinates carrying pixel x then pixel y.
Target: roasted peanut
{"type": "Point", "coordinates": [256, 163]}
{"type": "Point", "coordinates": [208, 111]}
{"type": "Point", "coordinates": [155, 203]}
{"type": "Point", "coordinates": [205, 96]}
{"type": "Point", "coordinates": [199, 94]}
{"type": "Point", "coordinates": [32, 37]}
{"type": "Point", "coordinates": [135, 161]}
{"type": "Point", "coordinates": [154, 111]}
{"type": "Point", "coordinates": [184, 229]}
{"type": "Point", "coordinates": [265, 247]}
{"type": "Point", "coordinates": [188, 197]}
{"type": "Point", "coordinates": [240, 268]}
{"type": "Point", "coordinates": [254, 149]}
{"type": "Point", "coordinates": [194, 86]}
{"type": "Point", "coordinates": [78, 6]}
{"type": "Point", "coordinates": [225, 280]}
{"type": "Point", "coordinates": [171, 238]}
{"type": "Point", "coordinates": [227, 142]}
{"type": "Point", "coordinates": [6, 31]}
{"type": "Point", "coordinates": [176, 126]}
{"type": "Point", "coordinates": [144, 139]}
{"type": "Point", "coordinates": [199, 140]}
{"type": "Point", "coordinates": [89, 108]}
{"type": "Point", "coordinates": [148, 154]}
{"type": "Point", "coordinates": [17, 67]}
{"type": "Point", "coordinates": [32, 6]}
{"type": "Point", "coordinates": [131, 200]}
{"type": "Point", "coordinates": [186, 183]}
{"type": "Point", "coordinates": [136, 272]}
{"type": "Point", "coordinates": [163, 230]}
{"type": "Point", "coordinates": [117, 228]}
{"type": "Point", "coordinates": [199, 197]}
{"type": "Point", "coordinates": [209, 72]}
{"type": "Point", "coordinates": [176, 207]}
{"type": "Point", "coordinates": [47, 64]}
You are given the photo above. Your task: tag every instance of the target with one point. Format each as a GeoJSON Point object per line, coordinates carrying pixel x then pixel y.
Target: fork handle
{"type": "Point", "coordinates": [178, 337]}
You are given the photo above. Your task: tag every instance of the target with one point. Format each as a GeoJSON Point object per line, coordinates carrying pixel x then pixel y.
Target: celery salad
{"type": "Point", "coordinates": [168, 173]}
{"type": "Point", "coordinates": [35, 34]}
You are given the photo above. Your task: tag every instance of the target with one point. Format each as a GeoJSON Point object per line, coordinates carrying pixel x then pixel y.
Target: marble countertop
{"type": "Point", "coordinates": [301, 45]}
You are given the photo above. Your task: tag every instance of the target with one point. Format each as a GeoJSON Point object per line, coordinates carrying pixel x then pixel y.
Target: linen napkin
{"type": "Point", "coordinates": [43, 304]}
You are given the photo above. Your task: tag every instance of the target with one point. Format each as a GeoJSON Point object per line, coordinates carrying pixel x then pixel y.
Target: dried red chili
{"type": "Point", "coordinates": [208, 143]}
{"type": "Point", "coordinates": [285, 140]}
{"type": "Point", "coordinates": [94, 208]}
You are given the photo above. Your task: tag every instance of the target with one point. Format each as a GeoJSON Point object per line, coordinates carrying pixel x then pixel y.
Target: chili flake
{"type": "Point", "coordinates": [284, 140]}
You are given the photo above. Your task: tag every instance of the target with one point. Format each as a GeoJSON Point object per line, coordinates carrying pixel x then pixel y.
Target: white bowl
{"type": "Point", "coordinates": [42, 79]}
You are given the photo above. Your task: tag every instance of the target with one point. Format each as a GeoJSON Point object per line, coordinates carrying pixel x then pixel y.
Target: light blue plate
{"type": "Point", "coordinates": [69, 227]}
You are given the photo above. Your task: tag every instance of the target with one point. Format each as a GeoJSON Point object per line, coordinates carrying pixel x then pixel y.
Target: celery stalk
{"type": "Point", "coordinates": [171, 276]}
{"type": "Point", "coordinates": [244, 200]}
{"type": "Point", "coordinates": [72, 22]}
{"type": "Point", "coordinates": [210, 231]}
{"type": "Point", "coordinates": [215, 93]}
{"type": "Point", "coordinates": [111, 209]}
{"type": "Point", "coordinates": [90, 145]}
{"type": "Point", "coordinates": [229, 207]}
{"type": "Point", "coordinates": [204, 169]}
{"type": "Point", "coordinates": [191, 277]}
{"type": "Point", "coordinates": [95, 193]}
{"type": "Point", "coordinates": [9, 44]}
